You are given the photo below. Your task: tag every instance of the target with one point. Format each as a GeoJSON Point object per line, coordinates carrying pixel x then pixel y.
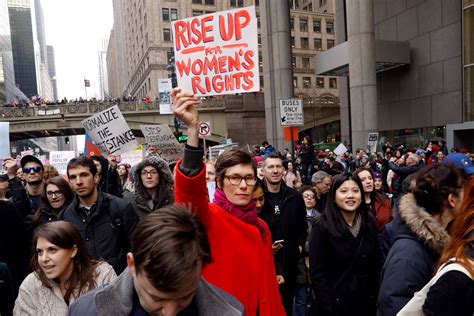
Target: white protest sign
{"type": "Point", "coordinates": [204, 129]}
{"type": "Point", "coordinates": [132, 157]}
{"type": "Point", "coordinates": [110, 132]}
{"type": "Point", "coordinates": [4, 139]}
{"type": "Point", "coordinates": [161, 135]}
{"type": "Point", "coordinates": [340, 149]}
{"type": "Point", "coordinates": [217, 53]}
{"type": "Point", "coordinates": [26, 153]}
{"type": "Point", "coordinates": [291, 112]}
{"type": "Point", "coordinates": [60, 159]}
{"type": "Point", "coordinates": [372, 142]}
{"type": "Point", "coordinates": [164, 89]}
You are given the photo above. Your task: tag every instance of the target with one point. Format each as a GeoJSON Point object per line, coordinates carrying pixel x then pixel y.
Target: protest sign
{"type": "Point", "coordinates": [27, 152]}
{"type": "Point", "coordinates": [132, 157]}
{"type": "Point", "coordinates": [60, 159]}
{"type": "Point", "coordinates": [340, 149]}
{"type": "Point", "coordinates": [161, 135]}
{"type": "Point", "coordinates": [110, 132]}
{"type": "Point", "coordinates": [372, 142]}
{"type": "Point", "coordinates": [164, 90]}
{"type": "Point", "coordinates": [217, 53]}
{"type": "Point", "coordinates": [4, 139]}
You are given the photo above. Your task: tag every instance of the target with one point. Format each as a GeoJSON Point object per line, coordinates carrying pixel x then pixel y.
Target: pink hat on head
{"type": "Point", "coordinates": [258, 159]}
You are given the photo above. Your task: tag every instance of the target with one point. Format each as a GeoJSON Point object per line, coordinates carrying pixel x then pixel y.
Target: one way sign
{"type": "Point", "coordinates": [291, 112]}
{"type": "Point", "coordinates": [204, 129]}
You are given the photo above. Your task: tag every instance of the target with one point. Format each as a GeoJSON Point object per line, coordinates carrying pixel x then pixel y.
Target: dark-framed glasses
{"type": "Point", "coordinates": [236, 180]}
{"type": "Point", "coordinates": [145, 173]}
{"type": "Point", "coordinates": [54, 193]}
{"type": "Point", "coordinates": [34, 169]}
{"type": "Point", "coordinates": [308, 196]}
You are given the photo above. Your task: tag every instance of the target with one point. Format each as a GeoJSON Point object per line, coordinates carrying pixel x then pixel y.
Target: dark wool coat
{"type": "Point", "coordinates": [344, 281]}
{"type": "Point", "coordinates": [419, 241]}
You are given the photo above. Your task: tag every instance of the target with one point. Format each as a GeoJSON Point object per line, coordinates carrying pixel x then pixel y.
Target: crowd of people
{"type": "Point", "coordinates": [255, 233]}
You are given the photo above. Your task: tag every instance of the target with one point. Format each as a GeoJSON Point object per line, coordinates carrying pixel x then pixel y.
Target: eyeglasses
{"type": "Point", "coordinates": [308, 196]}
{"type": "Point", "coordinates": [34, 169]}
{"type": "Point", "coordinates": [236, 180]}
{"type": "Point", "coordinates": [54, 193]}
{"type": "Point", "coordinates": [151, 173]}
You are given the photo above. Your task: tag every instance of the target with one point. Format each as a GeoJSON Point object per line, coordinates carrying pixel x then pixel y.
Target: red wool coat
{"type": "Point", "coordinates": [242, 262]}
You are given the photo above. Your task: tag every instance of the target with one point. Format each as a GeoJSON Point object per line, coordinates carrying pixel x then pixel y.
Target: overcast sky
{"type": "Point", "coordinates": [76, 28]}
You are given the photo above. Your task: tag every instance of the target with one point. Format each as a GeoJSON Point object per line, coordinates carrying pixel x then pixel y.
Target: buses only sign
{"type": "Point", "coordinates": [291, 112]}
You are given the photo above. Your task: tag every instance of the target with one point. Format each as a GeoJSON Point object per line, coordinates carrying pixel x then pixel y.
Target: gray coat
{"type": "Point", "coordinates": [117, 299]}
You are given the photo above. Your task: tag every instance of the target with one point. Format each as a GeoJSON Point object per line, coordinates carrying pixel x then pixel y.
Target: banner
{"type": "Point", "coordinates": [110, 132]}
{"type": "Point", "coordinates": [164, 89]}
{"type": "Point", "coordinates": [217, 53]}
{"type": "Point", "coordinates": [161, 135]}
{"type": "Point", "coordinates": [4, 139]}
{"type": "Point", "coordinates": [90, 149]}
{"type": "Point", "coordinates": [60, 159]}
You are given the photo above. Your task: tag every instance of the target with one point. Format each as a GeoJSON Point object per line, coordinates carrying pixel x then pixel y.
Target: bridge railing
{"type": "Point", "coordinates": [91, 108]}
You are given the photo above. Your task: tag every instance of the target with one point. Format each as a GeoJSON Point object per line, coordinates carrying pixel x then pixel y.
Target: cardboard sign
{"type": "Point", "coordinates": [133, 157]}
{"type": "Point", "coordinates": [291, 112]}
{"type": "Point", "coordinates": [4, 139]}
{"type": "Point", "coordinates": [340, 149]}
{"type": "Point", "coordinates": [217, 53]}
{"type": "Point", "coordinates": [110, 132]}
{"type": "Point", "coordinates": [164, 89]}
{"type": "Point", "coordinates": [161, 135]}
{"type": "Point", "coordinates": [372, 142]}
{"type": "Point", "coordinates": [60, 159]}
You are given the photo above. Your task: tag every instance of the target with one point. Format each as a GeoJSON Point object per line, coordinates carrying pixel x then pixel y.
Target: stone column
{"type": "Point", "coordinates": [277, 67]}
{"type": "Point", "coordinates": [362, 76]}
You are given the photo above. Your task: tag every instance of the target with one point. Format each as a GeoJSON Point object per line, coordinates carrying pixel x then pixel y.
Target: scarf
{"type": "Point", "coordinates": [247, 213]}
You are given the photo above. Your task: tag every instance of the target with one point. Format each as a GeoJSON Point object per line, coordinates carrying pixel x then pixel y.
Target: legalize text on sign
{"type": "Point", "coordinates": [218, 53]}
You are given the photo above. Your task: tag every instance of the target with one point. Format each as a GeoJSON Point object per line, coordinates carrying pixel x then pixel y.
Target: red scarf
{"type": "Point", "coordinates": [246, 213]}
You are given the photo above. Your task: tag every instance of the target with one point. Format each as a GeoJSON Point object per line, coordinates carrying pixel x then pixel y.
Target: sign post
{"type": "Point", "coordinates": [204, 130]}
{"type": "Point", "coordinates": [291, 114]}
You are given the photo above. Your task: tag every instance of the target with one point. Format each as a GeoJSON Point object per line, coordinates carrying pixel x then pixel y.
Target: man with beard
{"type": "Point", "coordinates": [106, 222]}
{"type": "Point", "coordinates": [285, 213]}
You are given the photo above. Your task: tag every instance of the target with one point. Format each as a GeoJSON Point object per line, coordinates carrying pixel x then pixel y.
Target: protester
{"type": "Point", "coordinates": [151, 150]}
{"type": "Point", "coordinates": [452, 294]}
{"type": "Point", "coordinates": [105, 222]}
{"type": "Point", "coordinates": [284, 212]}
{"type": "Point", "coordinates": [57, 195]}
{"type": "Point", "coordinates": [307, 159]}
{"type": "Point", "coordinates": [153, 186]}
{"type": "Point", "coordinates": [344, 253]}
{"type": "Point", "coordinates": [240, 241]}
{"type": "Point", "coordinates": [4, 187]}
{"type": "Point", "coordinates": [402, 171]}
{"type": "Point", "coordinates": [258, 196]}
{"type": "Point", "coordinates": [49, 172]}
{"type": "Point", "coordinates": [211, 171]}
{"type": "Point", "coordinates": [170, 249]}
{"type": "Point", "coordinates": [291, 176]}
{"type": "Point", "coordinates": [123, 169]}
{"type": "Point", "coordinates": [102, 166]}
{"type": "Point", "coordinates": [420, 234]}
{"type": "Point", "coordinates": [62, 271]}
{"type": "Point", "coordinates": [321, 181]}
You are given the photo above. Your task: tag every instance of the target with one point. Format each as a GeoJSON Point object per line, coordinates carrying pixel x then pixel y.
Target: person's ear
{"type": "Point", "coordinates": [131, 263]}
{"type": "Point", "coordinates": [74, 251]}
{"type": "Point", "coordinates": [452, 200]}
{"type": "Point", "coordinates": [96, 178]}
{"type": "Point", "coordinates": [219, 182]}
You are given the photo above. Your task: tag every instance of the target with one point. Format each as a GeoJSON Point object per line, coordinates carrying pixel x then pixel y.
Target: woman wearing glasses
{"type": "Point", "coordinates": [57, 195]}
{"type": "Point", "coordinates": [240, 241]}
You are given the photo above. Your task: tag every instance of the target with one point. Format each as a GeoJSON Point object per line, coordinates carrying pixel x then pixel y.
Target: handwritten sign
{"type": "Point", "coordinates": [217, 53]}
{"type": "Point", "coordinates": [161, 135]}
{"type": "Point", "coordinates": [60, 159]}
{"type": "Point", "coordinates": [164, 89]}
{"type": "Point", "coordinates": [110, 132]}
{"type": "Point", "coordinates": [132, 157]}
{"type": "Point", "coordinates": [4, 139]}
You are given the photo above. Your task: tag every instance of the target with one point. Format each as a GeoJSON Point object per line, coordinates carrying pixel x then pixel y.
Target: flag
{"type": "Point", "coordinates": [87, 83]}
{"type": "Point", "coordinates": [90, 148]}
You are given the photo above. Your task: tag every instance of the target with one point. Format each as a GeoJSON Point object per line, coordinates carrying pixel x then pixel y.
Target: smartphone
{"type": "Point", "coordinates": [276, 242]}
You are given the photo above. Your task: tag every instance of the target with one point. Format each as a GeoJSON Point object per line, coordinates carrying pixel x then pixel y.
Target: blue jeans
{"type": "Point", "coordinates": [301, 299]}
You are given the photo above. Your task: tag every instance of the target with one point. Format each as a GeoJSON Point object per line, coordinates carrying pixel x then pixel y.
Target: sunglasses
{"type": "Point", "coordinates": [34, 169]}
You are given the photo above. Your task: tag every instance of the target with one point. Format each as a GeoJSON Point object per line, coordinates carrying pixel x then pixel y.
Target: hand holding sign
{"type": "Point", "coordinates": [184, 107]}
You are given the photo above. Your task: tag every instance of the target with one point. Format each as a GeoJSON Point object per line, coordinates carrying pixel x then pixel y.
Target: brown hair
{"type": "Point", "coordinates": [82, 162]}
{"type": "Point", "coordinates": [232, 158]}
{"type": "Point", "coordinates": [462, 232]}
{"type": "Point", "coordinates": [49, 172]}
{"type": "Point", "coordinates": [168, 245]}
{"type": "Point", "coordinates": [63, 186]}
{"type": "Point", "coordinates": [65, 235]}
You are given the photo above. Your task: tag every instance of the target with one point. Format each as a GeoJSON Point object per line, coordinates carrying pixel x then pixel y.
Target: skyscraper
{"type": "Point", "coordinates": [52, 70]}
{"type": "Point", "coordinates": [103, 79]}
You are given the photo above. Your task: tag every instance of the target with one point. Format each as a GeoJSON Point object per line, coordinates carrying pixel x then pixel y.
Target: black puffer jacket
{"type": "Point", "coordinates": [140, 199]}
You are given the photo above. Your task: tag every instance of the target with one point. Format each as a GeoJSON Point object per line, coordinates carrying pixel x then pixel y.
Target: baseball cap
{"type": "Point", "coordinates": [461, 161]}
{"type": "Point", "coordinates": [30, 158]}
{"type": "Point", "coordinates": [420, 151]}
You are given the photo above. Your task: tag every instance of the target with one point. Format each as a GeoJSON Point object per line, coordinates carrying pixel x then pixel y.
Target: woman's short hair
{"type": "Point", "coordinates": [63, 187]}
{"type": "Point", "coordinates": [232, 158]}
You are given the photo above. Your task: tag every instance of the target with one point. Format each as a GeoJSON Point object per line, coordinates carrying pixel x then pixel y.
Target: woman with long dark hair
{"type": "Point", "coordinates": [62, 271]}
{"type": "Point", "coordinates": [344, 253]}
{"type": "Point", "coordinates": [291, 176]}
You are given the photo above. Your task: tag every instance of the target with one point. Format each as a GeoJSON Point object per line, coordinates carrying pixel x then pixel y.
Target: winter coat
{"type": "Point", "coordinates": [108, 230]}
{"type": "Point", "coordinates": [419, 240]}
{"type": "Point", "coordinates": [22, 203]}
{"type": "Point", "coordinates": [140, 199]}
{"type": "Point", "coordinates": [117, 299]}
{"type": "Point", "coordinates": [402, 173]}
{"type": "Point", "coordinates": [37, 300]}
{"type": "Point", "coordinates": [383, 211]}
{"type": "Point", "coordinates": [242, 260]}
{"type": "Point", "coordinates": [303, 274]}
{"type": "Point", "coordinates": [344, 280]}
{"type": "Point", "coordinates": [307, 154]}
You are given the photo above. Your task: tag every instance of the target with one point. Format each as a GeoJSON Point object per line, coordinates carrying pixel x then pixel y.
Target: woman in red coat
{"type": "Point", "coordinates": [240, 241]}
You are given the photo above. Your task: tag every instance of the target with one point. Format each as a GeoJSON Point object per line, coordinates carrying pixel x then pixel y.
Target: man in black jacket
{"type": "Point", "coordinates": [106, 222]}
{"type": "Point", "coordinates": [285, 213]}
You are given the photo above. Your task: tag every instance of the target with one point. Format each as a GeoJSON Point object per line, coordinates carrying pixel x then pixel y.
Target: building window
{"type": "Point", "coordinates": [292, 24]}
{"type": "Point", "coordinates": [333, 83]}
{"type": "Point", "coordinates": [317, 26]}
{"type": "Point", "coordinates": [303, 25]}
{"type": "Point", "coordinates": [293, 61]}
{"type": "Point", "coordinates": [292, 41]}
{"type": "Point", "coordinates": [319, 82]}
{"type": "Point", "coordinates": [211, 2]}
{"type": "Point", "coordinates": [261, 82]}
{"type": "Point", "coordinates": [330, 44]}
{"type": "Point", "coordinates": [258, 21]}
{"type": "Point", "coordinates": [322, 2]}
{"type": "Point", "coordinates": [318, 44]}
{"type": "Point", "coordinates": [197, 12]}
{"type": "Point", "coordinates": [237, 3]}
{"type": "Point", "coordinates": [197, 1]}
{"type": "Point", "coordinates": [166, 14]}
{"type": "Point", "coordinates": [304, 42]}
{"type": "Point", "coordinates": [295, 82]}
{"type": "Point", "coordinates": [259, 39]}
{"type": "Point", "coordinates": [168, 56]}
{"type": "Point", "coordinates": [306, 62]}
{"type": "Point", "coordinates": [167, 35]}
{"type": "Point", "coordinates": [330, 27]}
{"type": "Point", "coordinates": [306, 82]}
{"type": "Point", "coordinates": [174, 14]}
{"type": "Point", "coordinates": [149, 84]}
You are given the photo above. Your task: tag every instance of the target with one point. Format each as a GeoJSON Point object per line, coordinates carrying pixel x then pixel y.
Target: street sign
{"type": "Point", "coordinates": [291, 112]}
{"type": "Point", "coordinates": [204, 129]}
